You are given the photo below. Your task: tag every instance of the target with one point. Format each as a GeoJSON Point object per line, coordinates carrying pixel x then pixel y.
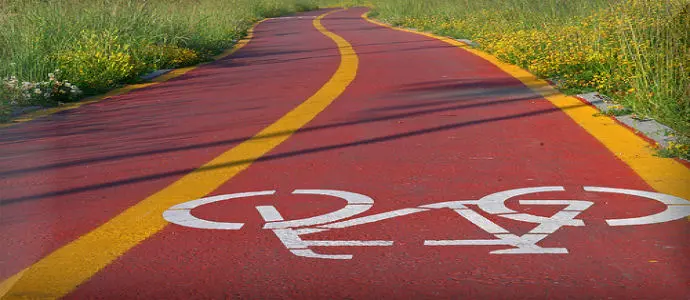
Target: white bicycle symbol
{"type": "Point", "coordinates": [290, 232]}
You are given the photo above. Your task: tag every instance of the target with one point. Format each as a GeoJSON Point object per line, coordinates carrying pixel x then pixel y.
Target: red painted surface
{"type": "Point", "coordinates": [63, 175]}
{"type": "Point", "coordinates": [423, 122]}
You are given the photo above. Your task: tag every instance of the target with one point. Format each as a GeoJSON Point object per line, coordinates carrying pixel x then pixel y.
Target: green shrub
{"type": "Point", "coordinates": [305, 6]}
{"type": "Point", "coordinates": [676, 149]}
{"type": "Point", "coordinates": [635, 51]}
{"type": "Point", "coordinates": [99, 61]}
{"type": "Point", "coordinates": [270, 9]}
{"type": "Point", "coordinates": [5, 105]}
{"type": "Point", "coordinates": [101, 44]}
{"type": "Point", "coordinates": [157, 56]}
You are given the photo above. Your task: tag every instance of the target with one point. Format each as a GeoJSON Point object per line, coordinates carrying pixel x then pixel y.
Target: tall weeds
{"type": "Point", "coordinates": [99, 44]}
{"type": "Point", "coordinates": [636, 51]}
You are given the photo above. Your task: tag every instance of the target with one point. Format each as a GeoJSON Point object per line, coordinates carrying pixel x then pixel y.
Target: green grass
{"type": "Point", "coordinates": [100, 44]}
{"type": "Point", "coordinates": [635, 51]}
{"type": "Point", "coordinates": [676, 149]}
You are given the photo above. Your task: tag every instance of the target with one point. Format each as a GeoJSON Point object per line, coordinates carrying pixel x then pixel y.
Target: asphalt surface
{"type": "Point", "coordinates": [421, 122]}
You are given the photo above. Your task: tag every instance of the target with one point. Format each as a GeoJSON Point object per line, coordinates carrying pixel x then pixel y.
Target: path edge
{"type": "Point", "coordinates": [666, 175]}
{"type": "Point", "coordinates": [163, 77]}
{"type": "Point", "coordinates": [63, 270]}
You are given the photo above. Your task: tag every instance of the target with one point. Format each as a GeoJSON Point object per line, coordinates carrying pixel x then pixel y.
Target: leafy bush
{"type": "Point", "coordinates": [101, 44]}
{"type": "Point", "coordinates": [305, 6]}
{"type": "Point", "coordinates": [99, 61]}
{"type": "Point", "coordinates": [681, 149]}
{"type": "Point", "coordinates": [160, 56]}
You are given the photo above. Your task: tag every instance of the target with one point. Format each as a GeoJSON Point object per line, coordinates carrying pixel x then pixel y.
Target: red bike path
{"type": "Point", "coordinates": [422, 122]}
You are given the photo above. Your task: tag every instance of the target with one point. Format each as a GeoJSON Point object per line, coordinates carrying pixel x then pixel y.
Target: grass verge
{"type": "Point", "coordinates": [97, 45]}
{"type": "Point", "coordinates": [635, 51]}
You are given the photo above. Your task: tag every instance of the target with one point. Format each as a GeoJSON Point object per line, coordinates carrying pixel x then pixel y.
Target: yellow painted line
{"type": "Point", "coordinates": [6, 285]}
{"type": "Point", "coordinates": [665, 175]}
{"type": "Point", "coordinates": [62, 271]}
{"type": "Point", "coordinates": [128, 88]}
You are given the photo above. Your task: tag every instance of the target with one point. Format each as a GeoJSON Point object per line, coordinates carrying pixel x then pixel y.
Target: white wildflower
{"type": "Point", "coordinates": [67, 84]}
{"type": "Point", "coordinates": [11, 83]}
{"type": "Point", "coordinates": [37, 91]}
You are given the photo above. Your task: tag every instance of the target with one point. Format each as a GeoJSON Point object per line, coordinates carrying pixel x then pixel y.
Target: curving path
{"type": "Point", "coordinates": [373, 129]}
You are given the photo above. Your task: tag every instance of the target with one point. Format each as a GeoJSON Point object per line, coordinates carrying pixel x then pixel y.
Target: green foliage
{"type": "Point", "coordinates": [100, 44]}
{"type": "Point", "coordinates": [676, 149]}
{"type": "Point", "coordinates": [5, 104]}
{"type": "Point", "coordinates": [635, 51]}
{"type": "Point", "coordinates": [159, 56]}
{"type": "Point", "coordinates": [617, 110]}
{"type": "Point", "coordinates": [305, 5]}
{"type": "Point", "coordinates": [14, 93]}
{"type": "Point", "coordinates": [99, 61]}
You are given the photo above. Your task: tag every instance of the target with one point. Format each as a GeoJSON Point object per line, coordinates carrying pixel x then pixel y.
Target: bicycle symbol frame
{"type": "Point", "coordinates": [290, 232]}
